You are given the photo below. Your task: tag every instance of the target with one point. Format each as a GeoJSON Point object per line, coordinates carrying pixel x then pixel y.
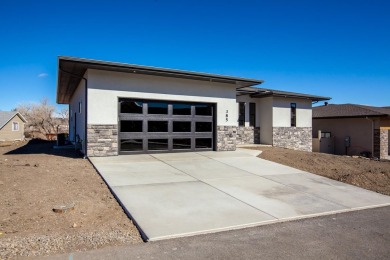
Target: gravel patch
{"type": "Point", "coordinates": [39, 245]}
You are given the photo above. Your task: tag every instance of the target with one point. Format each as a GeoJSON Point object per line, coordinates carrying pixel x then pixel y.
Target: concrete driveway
{"type": "Point", "coordinates": [180, 194]}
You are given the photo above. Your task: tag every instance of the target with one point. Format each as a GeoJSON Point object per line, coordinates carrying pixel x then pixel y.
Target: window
{"type": "Point", "coordinates": [203, 143]}
{"type": "Point", "coordinates": [158, 126]}
{"type": "Point", "coordinates": [158, 144]}
{"type": "Point", "coordinates": [293, 114]}
{"type": "Point", "coordinates": [252, 114]}
{"type": "Point", "coordinates": [241, 114]}
{"type": "Point", "coordinates": [326, 135]}
{"type": "Point", "coordinates": [134, 107]}
{"type": "Point", "coordinates": [15, 126]}
{"type": "Point", "coordinates": [182, 143]}
{"type": "Point", "coordinates": [203, 127]}
{"type": "Point", "coordinates": [181, 126]}
{"type": "Point", "coordinates": [79, 107]}
{"type": "Point", "coordinates": [181, 109]}
{"type": "Point", "coordinates": [159, 108]}
{"type": "Point", "coordinates": [131, 145]}
{"type": "Point", "coordinates": [388, 137]}
{"type": "Point", "coordinates": [131, 126]}
{"type": "Point", "coordinates": [203, 109]}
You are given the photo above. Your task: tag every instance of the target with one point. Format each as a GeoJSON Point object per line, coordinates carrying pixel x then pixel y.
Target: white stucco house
{"type": "Point", "coordinates": [118, 108]}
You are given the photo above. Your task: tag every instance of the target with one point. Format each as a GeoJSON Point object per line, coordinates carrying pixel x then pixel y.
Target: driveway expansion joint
{"type": "Point", "coordinates": [217, 189]}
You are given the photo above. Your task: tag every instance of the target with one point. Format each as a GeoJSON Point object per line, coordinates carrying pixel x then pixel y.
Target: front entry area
{"type": "Point", "coordinates": [152, 126]}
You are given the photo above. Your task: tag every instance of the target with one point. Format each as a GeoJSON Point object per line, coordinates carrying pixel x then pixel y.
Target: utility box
{"type": "Point", "coordinates": [61, 139]}
{"type": "Point", "coordinates": [347, 141]}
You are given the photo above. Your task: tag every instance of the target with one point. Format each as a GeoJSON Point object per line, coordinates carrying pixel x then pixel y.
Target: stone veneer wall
{"type": "Point", "coordinates": [384, 144]}
{"type": "Point", "coordinates": [102, 140]}
{"type": "Point", "coordinates": [297, 138]}
{"type": "Point", "coordinates": [248, 135]}
{"type": "Point", "coordinates": [226, 138]}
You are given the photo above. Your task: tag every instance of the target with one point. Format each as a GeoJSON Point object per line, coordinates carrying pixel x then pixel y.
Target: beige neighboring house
{"type": "Point", "coordinates": [352, 129]}
{"type": "Point", "coordinates": [11, 126]}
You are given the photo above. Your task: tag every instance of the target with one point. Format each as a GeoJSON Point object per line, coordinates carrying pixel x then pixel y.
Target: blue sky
{"type": "Point", "coordinates": [332, 48]}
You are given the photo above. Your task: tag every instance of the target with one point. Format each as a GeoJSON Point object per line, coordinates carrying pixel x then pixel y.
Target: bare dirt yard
{"type": "Point", "coordinates": [34, 179]}
{"type": "Point", "coordinates": [366, 173]}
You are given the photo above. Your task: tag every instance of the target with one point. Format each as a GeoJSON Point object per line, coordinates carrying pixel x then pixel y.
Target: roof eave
{"type": "Point", "coordinates": [357, 116]}
{"type": "Point", "coordinates": [85, 64]}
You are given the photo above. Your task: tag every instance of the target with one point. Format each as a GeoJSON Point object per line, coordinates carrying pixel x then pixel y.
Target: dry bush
{"type": "Point", "coordinates": [42, 118]}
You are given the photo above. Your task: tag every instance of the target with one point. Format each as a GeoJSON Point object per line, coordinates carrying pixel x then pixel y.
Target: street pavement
{"type": "Point", "coordinates": [362, 234]}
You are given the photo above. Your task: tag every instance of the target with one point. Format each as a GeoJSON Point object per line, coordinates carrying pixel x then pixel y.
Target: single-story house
{"type": "Point", "coordinates": [117, 108]}
{"type": "Point", "coordinates": [355, 129]}
{"type": "Point", "coordinates": [11, 126]}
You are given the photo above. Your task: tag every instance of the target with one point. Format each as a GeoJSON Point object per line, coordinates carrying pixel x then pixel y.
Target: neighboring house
{"type": "Point", "coordinates": [122, 109]}
{"type": "Point", "coordinates": [355, 128]}
{"type": "Point", "coordinates": [11, 126]}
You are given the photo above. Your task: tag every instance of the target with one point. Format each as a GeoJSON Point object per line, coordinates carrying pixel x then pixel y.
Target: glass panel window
{"type": "Point", "coordinates": [181, 126]}
{"type": "Point", "coordinates": [181, 109]}
{"type": "Point", "coordinates": [158, 108]}
{"type": "Point", "coordinates": [252, 114]}
{"type": "Point", "coordinates": [131, 126]}
{"type": "Point", "coordinates": [203, 127]}
{"type": "Point", "coordinates": [134, 107]}
{"type": "Point", "coordinates": [157, 126]}
{"type": "Point", "coordinates": [131, 145]}
{"type": "Point", "coordinates": [15, 126]}
{"type": "Point", "coordinates": [241, 114]}
{"type": "Point", "coordinates": [184, 143]}
{"type": "Point", "coordinates": [388, 137]}
{"type": "Point", "coordinates": [203, 109]}
{"type": "Point", "coordinates": [293, 114]}
{"type": "Point", "coordinates": [158, 144]}
{"type": "Point", "coordinates": [326, 135]}
{"type": "Point", "coordinates": [203, 143]}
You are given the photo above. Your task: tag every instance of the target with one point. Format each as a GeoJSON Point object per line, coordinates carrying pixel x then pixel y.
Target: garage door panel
{"type": "Point", "coordinates": [158, 126]}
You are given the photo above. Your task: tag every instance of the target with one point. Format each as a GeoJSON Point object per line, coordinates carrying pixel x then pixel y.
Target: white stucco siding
{"type": "Point", "coordinates": [104, 88]}
{"type": "Point", "coordinates": [77, 98]}
{"type": "Point", "coordinates": [282, 112]}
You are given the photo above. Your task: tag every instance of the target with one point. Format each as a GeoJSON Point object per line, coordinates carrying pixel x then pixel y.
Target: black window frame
{"type": "Point", "coordinates": [293, 114]}
{"type": "Point", "coordinates": [252, 114]}
{"type": "Point", "coordinates": [241, 113]}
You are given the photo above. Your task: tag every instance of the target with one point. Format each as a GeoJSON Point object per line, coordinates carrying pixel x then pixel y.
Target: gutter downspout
{"type": "Point", "coordinates": [85, 107]}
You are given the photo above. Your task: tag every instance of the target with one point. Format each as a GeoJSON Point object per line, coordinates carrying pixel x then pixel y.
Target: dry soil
{"type": "Point", "coordinates": [35, 178]}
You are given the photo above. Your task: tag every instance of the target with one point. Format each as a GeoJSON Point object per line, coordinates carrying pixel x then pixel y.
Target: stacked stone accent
{"type": "Point", "coordinates": [248, 135]}
{"type": "Point", "coordinates": [384, 146]}
{"type": "Point", "coordinates": [226, 138]}
{"type": "Point", "coordinates": [102, 140]}
{"type": "Point", "coordinates": [297, 138]}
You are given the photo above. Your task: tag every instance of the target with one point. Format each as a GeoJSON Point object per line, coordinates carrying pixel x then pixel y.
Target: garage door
{"type": "Point", "coordinates": [147, 126]}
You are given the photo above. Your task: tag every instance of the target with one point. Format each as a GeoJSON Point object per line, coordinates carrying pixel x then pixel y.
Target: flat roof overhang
{"type": "Point", "coordinates": [71, 70]}
{"type": "Point", "coordinates": [262, 93]}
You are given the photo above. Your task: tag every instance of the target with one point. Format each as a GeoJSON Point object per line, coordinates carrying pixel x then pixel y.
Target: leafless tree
{"type": "Point", "coordinates": [42, 117]}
